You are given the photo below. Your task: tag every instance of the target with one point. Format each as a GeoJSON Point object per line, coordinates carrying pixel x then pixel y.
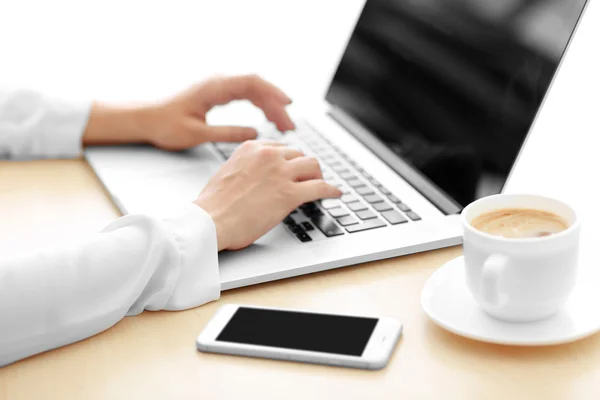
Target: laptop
{"type": "Point", "coordinates": [427, 111]}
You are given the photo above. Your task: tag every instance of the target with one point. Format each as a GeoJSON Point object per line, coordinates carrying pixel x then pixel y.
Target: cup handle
{"type": "Point", "coordinates": [491, 276]}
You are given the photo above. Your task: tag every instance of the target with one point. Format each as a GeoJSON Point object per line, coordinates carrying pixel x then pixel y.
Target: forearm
{"type": "Point", "coordinates": [118, 125]}
{"type": "Point", "coordinates": [60, 296]}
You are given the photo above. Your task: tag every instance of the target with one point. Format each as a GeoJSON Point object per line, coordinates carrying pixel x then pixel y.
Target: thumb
{"type": "Point", "coordinates": [228, 133]}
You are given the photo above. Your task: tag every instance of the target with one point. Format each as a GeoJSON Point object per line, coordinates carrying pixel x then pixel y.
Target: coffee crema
{"type": "Point", "coordinates": [518, 223]}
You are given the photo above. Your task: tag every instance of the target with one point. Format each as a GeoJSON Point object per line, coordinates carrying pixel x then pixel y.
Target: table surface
{"type": "Point", "coordinates": [44, 203]}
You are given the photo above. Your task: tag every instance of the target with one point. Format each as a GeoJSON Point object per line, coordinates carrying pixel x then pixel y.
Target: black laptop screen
{"type": "Point", "coordinates": [453, 86]}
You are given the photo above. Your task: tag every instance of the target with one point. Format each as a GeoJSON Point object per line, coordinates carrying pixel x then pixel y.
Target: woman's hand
{"type": "Point", "coordinates": [257, 188]}
{"type": "Point", "coordinates": [180, 122]}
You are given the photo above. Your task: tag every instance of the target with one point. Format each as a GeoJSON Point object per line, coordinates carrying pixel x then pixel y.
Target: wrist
{"type": "Point", "coordinates": [149, 120]}
{"type": "Point", "coordinates": [117, 125]}
{"type": "Point", "coordinates": [219, 222]}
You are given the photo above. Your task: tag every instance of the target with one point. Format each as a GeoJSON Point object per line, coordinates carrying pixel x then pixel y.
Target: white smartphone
{"type": "Point", "coordinates": [295, 335]}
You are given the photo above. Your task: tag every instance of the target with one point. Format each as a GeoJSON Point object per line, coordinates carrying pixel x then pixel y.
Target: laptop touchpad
{"type": "Point", "coordinates": [145, 179]}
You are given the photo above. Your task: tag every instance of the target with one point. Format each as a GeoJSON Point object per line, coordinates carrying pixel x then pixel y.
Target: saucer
{"type": "Point", "coordinates": [449, 303]}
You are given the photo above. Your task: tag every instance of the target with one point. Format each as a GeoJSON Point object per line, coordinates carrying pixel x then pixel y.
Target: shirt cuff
{"type": "Point", "coordinates": [196, 236]}
{"type": "Point", "coordinates": [34, 126]}
{"type": "Point", "coordinates": [65, 124]}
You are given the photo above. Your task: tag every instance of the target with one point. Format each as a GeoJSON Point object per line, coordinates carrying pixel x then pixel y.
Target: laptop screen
{"type": "Point", "coordinates": [453, 86]}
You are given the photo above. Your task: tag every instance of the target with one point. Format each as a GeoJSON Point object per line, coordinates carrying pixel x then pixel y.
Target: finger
{"type": "Point", "coordinates": [267, 142]}
{"type": "Point", "coordinates": [316, 189]}
{"type": "Point", "coordinates": [219, 91]}
{"type": "Point", "coordinates": [262, 94]}
{"type": "Point", "coordinates": [305, 168]}
{"type": "Point", "coordinates": [252, 86]}
{"type": "Point", "coordinates": [291, 153]}
{"type": "Point", "coordinates": [228, 133]}
{"type": "Point", "coordinates": [277, 114]}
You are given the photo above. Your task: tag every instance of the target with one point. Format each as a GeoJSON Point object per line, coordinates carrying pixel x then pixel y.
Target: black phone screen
{"type": "Point", "coordinates": [338, 334]}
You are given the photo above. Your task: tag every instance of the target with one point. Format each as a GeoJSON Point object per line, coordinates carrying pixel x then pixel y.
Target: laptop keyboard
{"type": "Point", "coordinates": [365, 204]}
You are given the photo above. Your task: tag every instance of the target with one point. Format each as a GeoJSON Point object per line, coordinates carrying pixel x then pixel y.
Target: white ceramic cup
{"type": "Point", "coordinates": [525, 279]}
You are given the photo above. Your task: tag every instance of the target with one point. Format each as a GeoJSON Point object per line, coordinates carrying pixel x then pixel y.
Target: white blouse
{"type": "Point", "coordinates": [138, 262]}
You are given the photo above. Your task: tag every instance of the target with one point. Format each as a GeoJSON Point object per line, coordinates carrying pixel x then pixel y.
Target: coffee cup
{"type": "Point", "coordinates": [520, 278]}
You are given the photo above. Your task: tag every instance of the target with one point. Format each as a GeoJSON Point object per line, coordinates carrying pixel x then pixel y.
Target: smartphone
{"type": "Point", "coordinates": [295, 335]}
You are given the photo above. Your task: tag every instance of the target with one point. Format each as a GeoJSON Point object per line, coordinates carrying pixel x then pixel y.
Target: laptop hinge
{"type": "Point", "coordinates": [422, 184]}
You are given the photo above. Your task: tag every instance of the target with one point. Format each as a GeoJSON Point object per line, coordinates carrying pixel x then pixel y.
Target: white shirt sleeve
{"type": "Point", "coordinates": [61, 296]}
{"type": "Point", "coordinates": [33, 126]}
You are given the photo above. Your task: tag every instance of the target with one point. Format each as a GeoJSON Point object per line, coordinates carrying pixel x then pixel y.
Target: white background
{"type": "Point", "coordinates": [129, 50]}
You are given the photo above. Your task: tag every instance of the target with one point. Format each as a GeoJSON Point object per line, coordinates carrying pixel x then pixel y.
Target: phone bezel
{"type": "Point", "coordinates": [375, 356]}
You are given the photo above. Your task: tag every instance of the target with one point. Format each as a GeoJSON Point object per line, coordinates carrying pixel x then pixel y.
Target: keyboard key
{"type": "Point", "coordinates": [327, 226]}
{"type": "Point", "coordinates": [341, 186]}
{"type": "Point", "coordinates": [413, 215]}
{"type": "Point", "coordinates": [312, 212]}
{"type": "Point", "coordinates": [330, 203]}
{"type": "Point", "coordinates": [355, 183]}
{"type": "Point", "coordinates": [374, 182]}
{"type": "Point", "coordinates": [340, 169]}
{"type": "Point", "coordinates": [357, 206]}
{"type": "Point", "coordinates": [383, 206]}
{"type": "Point", "coordinates": [294, 212]}
{"type": "Point", "coordinates": [338, 212]}
{"type": "Point", "coordinates": [367, 175]}
{"type": "Point", "coordinates": [403, 207]}
{"type": "Point", "coordinates": [349, 198]}
{"type": "Point", "coordinates": [296, 229]}
{"type": "Point", "coordinates": [394, 199]}
{"type": "Point", "coordinates": [394, 217]}
{"type": "Point", "coordinates": [373, 198]}
{"type": "Point", "coordinates": [366, 214]}
{"type": "Point", "coordinates": [307, 226]}
{"type": "Point", "coordinates": [312, 142]}
{"type": "Point", "coordinates": [307, 206]}
{"type": "Point", "coordinates": [304, 237]}
{"type": "Point", "coordinates": [347, 175]}
{"type": "Point", "coordinates": [333, 163]}
{"type": "Point", "coordinates": [385, 191]}
{"type": "Point", "coordinates": [347, 220]}
{"type": "Point", "coordinates": [289, 221]}
{"type": "Point", "coordinates": [365, 190]}
{"type": "Point", "coordinates": [369, 224]}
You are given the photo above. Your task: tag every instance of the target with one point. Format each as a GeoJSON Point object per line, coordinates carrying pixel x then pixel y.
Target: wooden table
{"type": "Point", "coordinates": [152, 356]}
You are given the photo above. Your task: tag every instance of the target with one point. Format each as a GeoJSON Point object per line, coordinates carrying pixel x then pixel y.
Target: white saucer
{"type": "Point", "coordinates": [449, 303]}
